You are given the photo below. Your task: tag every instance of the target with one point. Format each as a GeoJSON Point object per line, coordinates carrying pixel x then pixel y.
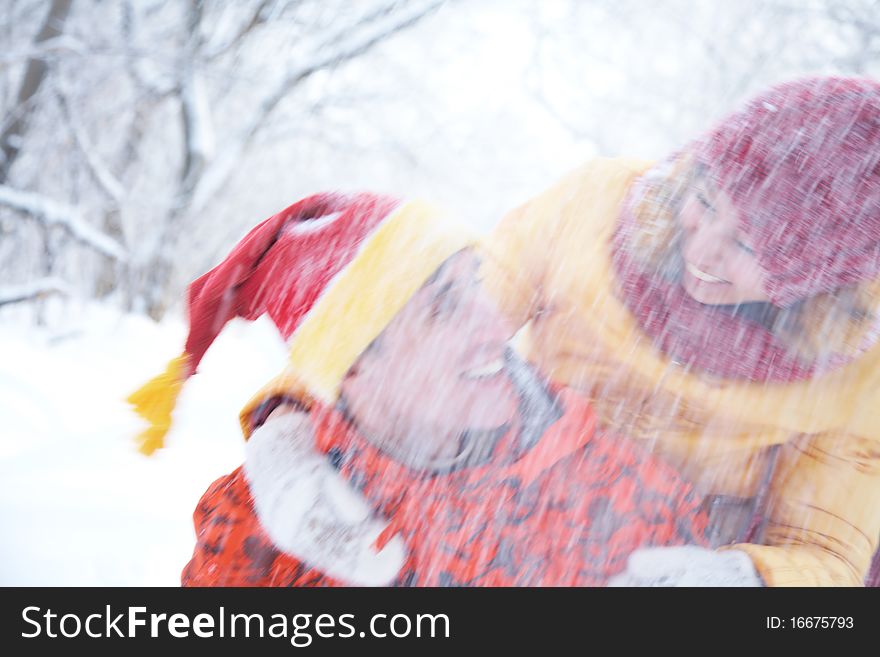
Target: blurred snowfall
{"type": "Point", "coordinates": [141, 139]}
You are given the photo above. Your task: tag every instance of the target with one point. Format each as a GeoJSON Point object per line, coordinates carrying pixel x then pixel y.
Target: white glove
{"type": "Point", "coordinates": [310, 511]}
{"type": "Point", "coordinates": [687, 566]}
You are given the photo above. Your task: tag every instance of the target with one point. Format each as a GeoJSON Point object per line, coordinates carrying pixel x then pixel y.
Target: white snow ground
{"type": "Point", "coordinates": [79, 505]}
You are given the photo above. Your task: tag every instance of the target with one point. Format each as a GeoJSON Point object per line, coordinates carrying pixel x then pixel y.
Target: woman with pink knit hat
{"type": "Point", "coordinates": [723, 307]}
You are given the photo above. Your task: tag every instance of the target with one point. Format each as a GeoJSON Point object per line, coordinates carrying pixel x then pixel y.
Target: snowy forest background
{"type": "Point", "coordinates": [140, 139]}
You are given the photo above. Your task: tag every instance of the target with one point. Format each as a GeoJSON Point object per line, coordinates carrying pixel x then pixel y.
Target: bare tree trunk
{"type": "Point", "coordinates": [35, 73]}
{"type": "Point", "coordinates": [47, 265]}
{"type": "Point", "coordinates": [111, 271]}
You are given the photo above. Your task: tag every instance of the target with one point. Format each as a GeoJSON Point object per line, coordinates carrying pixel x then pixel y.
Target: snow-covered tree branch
{"type": "Point", "coordinates": [44, 287]}
{"type": "Point", "coordinates": [332, 53]}
{"type": "Point", "coordinates": [68, 217]}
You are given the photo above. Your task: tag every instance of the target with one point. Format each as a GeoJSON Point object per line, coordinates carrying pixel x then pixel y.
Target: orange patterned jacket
{"type": "Point", "coordinates": [567, 512]}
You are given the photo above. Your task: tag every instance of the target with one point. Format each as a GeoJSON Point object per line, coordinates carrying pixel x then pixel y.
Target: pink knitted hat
{"type": "Point", "coordinates": [801, 163]}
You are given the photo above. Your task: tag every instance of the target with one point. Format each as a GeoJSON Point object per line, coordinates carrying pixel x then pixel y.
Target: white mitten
{"type": "Point", "coordinates": [687, 566]}
{"type": "Point", "coordinates": [310, 511]}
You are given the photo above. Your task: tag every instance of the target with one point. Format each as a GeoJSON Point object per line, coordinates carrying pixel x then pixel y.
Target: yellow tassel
{"type": "Point", "coordinates": [155, 401]}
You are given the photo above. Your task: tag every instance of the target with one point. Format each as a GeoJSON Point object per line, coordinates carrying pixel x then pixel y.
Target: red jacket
{"type": "Point", "coordinates": [567, 512]}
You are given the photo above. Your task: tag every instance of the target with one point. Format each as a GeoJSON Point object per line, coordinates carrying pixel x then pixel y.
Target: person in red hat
{"type": "Point", "coordinates": [406, 443]}
{"type": "Point", "coordinates": [723, 307]}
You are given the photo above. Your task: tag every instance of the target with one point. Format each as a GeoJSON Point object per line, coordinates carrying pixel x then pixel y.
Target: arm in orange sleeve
{"type": "Point", "coordinates": [512, 266]}
{"type": "Point", "coordinates": [560, 227]}
{"type": "Point", "coordinates": [823, 513]}
{"type": "Point", "coordinates": [523, 245]}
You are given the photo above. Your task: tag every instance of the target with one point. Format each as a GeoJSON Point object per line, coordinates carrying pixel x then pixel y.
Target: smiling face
{"type": "Point", "coordinates": [437, 373]}
{"type": "Point", "coordinates": [720, 266]}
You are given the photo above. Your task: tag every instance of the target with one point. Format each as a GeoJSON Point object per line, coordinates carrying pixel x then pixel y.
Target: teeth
{"type": "Point", "coordinates": [489, 369]}
{"type": "Point", "coordinates": [703, 276]}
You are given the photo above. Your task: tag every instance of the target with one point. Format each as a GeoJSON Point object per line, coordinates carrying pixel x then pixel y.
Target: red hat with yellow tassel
{"type": "Point", "coordinates": [279, 268]}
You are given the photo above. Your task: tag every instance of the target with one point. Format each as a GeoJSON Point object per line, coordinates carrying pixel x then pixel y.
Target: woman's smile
{"type": "Point", "coordinates": [702, 276]}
